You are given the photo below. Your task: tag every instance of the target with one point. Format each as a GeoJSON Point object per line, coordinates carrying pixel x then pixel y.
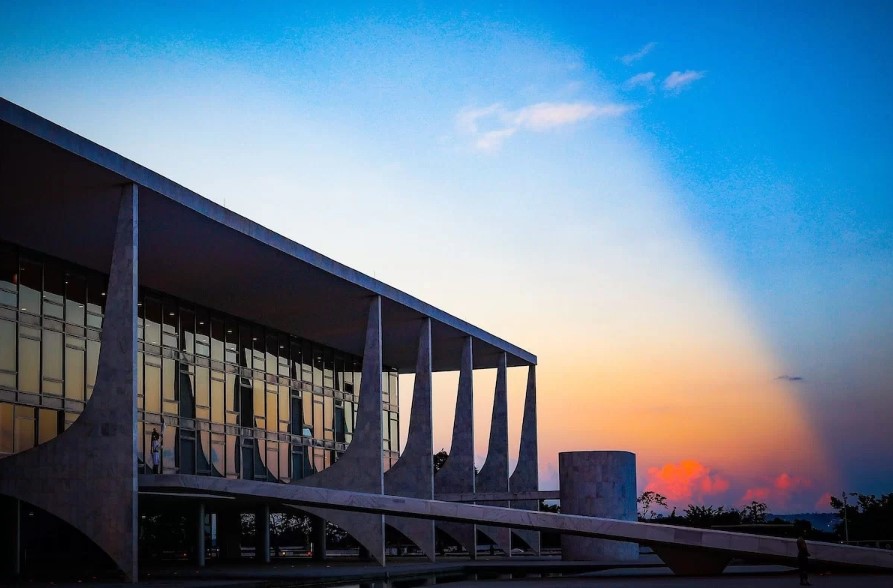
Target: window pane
{"type": "Point", "coordinates": [217, 402]}
{"type": "Point", "coordinates": [74, 372]}
{"type": "Point", "coordinates": [7, 346]}
{"type": "Point", "coordinates": [53, 290]}
{"type": "Point", "coordinates": [7, 444]}
{"type": "Point", "coordinates": [29, 364]}
{"type": "Point", "coordinates": [9, 276]}
{"type": "Point", "coordinates": [52, 358]}
{"type": "Point", "coordinates": [75, 299]}
{"type": "Point", "coordinates": [152, 379]}
{"type": "Point", "coordinates": [30, 286]}
{"type": "Point", "coordinates": [47, 425]}
{"type": "Point", "coordinates": [92, 364]}
{"type": "Point", "coordinates": [24, 428]}
{"type": "Point", "coordinates": [152, 323]}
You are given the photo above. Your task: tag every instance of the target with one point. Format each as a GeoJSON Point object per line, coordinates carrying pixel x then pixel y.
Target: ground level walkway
{"type": "Point", "coordinates": [485, 573]}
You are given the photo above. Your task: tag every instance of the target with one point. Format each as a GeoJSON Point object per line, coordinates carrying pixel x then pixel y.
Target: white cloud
{"type": "Point", "coordinates": [490, 126]}
{"type": "Point", "coordinates": [633, 57]}
{"type": "Point", "coordinates": [678, 80]}
{"type": "Point", "coordinates": [642, 80]}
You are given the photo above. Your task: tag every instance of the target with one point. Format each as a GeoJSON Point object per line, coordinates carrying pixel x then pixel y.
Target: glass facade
{"type": "Point", "coordinates": [228, 397]}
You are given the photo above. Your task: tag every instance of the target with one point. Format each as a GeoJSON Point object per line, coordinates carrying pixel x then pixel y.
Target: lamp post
{"type": "Point", "coordinates": [846, 525]}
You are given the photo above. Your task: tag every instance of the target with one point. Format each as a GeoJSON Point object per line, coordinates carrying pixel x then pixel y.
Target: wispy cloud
{"type": "Point", "coordinates": [642, 80]}
{"type": "Point", "coordinates": [490, 126]}
{"type": "Point", "coordinates": [634, 57]}
{"type": "Point", "coordinates": [678, 80]}
{"type": "Point", "coordinates": [788, 378]}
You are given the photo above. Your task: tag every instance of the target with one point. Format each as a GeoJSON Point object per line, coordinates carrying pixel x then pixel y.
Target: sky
{"type": "Point", "coordinates": [682, 208]}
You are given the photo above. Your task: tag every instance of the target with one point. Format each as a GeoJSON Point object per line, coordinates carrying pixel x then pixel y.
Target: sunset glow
{"type": "Point", "coordinates": [684, 212]}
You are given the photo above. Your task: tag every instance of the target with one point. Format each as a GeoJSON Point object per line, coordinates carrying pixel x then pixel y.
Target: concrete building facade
{"type": "Point", "coordinates": [131, 305]}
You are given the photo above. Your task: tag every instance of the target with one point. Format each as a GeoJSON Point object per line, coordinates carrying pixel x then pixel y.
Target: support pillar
{"type": "Point", "coordinates": [413, 474]}
{"type": "Point", "coordinates": [494, 474]}
{"type": "Point", "coordinates": [200, 535]}
{"type": "Point", "coordinates": [10, 537]}
{"type": "Point", "coordinates": [87, 475]}
{"type": "Point", "coordinates": [318, 534]}
{"type": "Point", "coordinates": [457, 474]}
{"type": "Point", "coordinates": [361, 468]}
{"type": "Point", "coordinates": [525, 478]}
{"type": "Point", "coordinates": [262, 533]}
{"type": "Point", "coordinates": [598, 484]}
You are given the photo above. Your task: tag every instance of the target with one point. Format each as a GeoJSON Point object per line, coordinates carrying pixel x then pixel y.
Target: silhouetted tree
{"type": "Point", "coordinates": [439, 459]}
{"type": "Point", "coordinates": [646, 501]}
{"type": "Point", "coordinates": [705, 517]}
{"type": "Point", "coordinates": [754, 513]}
{"type": "Point", "coordinates": [869, 517]}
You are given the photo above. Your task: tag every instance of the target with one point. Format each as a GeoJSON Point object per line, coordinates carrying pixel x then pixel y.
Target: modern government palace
{"type": "Point", "coordinates": [164, 358]}
{"type": "Point", "coordinates": [131, 305]}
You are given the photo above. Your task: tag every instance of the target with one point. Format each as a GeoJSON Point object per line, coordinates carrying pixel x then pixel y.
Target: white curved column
{"type": "Point", "coordinates": [87, 475]}
{"type": "Point", "coordinates": [413, 474]}
{"type": "Point", "coordinates": [457, 474]}
{"type": "Point", "coordinates": [525, 478]}
{"type": "Point", "coordinates": [494, 474]}
{"type": "Point", "coordinates": [360, 468]}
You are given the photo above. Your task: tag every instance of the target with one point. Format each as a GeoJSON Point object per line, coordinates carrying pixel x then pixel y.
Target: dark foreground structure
{"type": "Point", "coordinates": [129, 304]}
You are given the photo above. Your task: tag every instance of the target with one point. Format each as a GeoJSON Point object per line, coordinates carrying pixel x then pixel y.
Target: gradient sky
{"type": "Point", "coordinates": [683, 208]}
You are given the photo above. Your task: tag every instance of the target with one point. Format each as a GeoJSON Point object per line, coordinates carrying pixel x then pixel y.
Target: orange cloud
{"type": "Point", "coordinates": [685, 481]}
{"type": "Point", "coordinates": [779, 492]}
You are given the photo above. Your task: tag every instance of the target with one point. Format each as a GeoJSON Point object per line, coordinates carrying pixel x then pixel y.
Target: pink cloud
{"type": "Point", "coordinates": [686, 481]}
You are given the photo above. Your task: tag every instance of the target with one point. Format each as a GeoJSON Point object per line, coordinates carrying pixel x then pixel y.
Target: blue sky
{"type": "Point", "coordinates": [677, 202]}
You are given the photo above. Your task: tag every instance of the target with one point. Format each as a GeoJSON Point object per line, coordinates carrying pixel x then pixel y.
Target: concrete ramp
{"type": "Point", "coordinates": [692, 551]}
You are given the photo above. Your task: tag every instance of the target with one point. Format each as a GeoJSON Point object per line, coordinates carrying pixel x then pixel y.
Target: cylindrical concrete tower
{"type": "Point", "coordinates": [598, 484]}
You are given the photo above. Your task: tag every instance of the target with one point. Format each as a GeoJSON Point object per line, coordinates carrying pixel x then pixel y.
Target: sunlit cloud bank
{"type": "Point", "coordinates": [692, 482]}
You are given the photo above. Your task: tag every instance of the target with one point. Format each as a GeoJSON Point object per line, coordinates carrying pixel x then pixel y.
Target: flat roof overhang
{"type": "Point", "coordinates": [59, 194]}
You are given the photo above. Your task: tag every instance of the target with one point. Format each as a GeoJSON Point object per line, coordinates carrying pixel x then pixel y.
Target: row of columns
{"type": "Point", "coordinates": [99, 496]}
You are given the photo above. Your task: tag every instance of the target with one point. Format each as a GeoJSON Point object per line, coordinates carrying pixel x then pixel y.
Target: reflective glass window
{"type": "Point", "coordinates": [7, 428]}
{"type": "Point", "coordinates": [152, 384]}
{"type": "Point", "coordinates": [187, 329]}
{"type": "Point", "coordinates": [307, 361]}
{"type": "Point", "coordinates": [95, 300]}
{"type": "Point", "coordinates": [272, 354]}
{"type": "Point", "coordinates": [170, 320]}
{"type": "Point", "coordinates": [52, 362]}
{"type": "Point", "coordinates": [152, 321]}
{"type": "Point", "coordinates": [53, 290]}
{"type": "Point", "coordinates": [186, 390]}
{"type": "Point", "coordinates": [328, 370]}
{"type": "Point", "coordinates": [29, 360]}
{"type": "Point", "coordinates": [283, 397]}
{"type": "Point", "coordinates": [9, 275]}
{"type": "Point", "coordinates": [24, 428]}
{"type": "Point", "coordinates": [232, 470]}
{"type": "Point", "coordinates": [217, 398]}
{"type": "Point", "coordinates": [218, 454]}
{"type": "Point", "coordinates": [75, 299]}
{"type": "Point", "coordinates": [202, 333]}
{"type": "Point", "coordinates": [217, 339]}
{"type": "Point", "coordinates": [30, 286]}
{"type": "Point", "coordinates": [75, 367]}
{"type": "Point", "coordinates": [47, 424]}
{"type": "Point", "coordinates": [92, 364]}
{"type": "Point", "coordinates": [308, 414]}
{"type": "Point", "coordinates": [317, 365]}
{"type": "Point", "coordinates": [7, 351]}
